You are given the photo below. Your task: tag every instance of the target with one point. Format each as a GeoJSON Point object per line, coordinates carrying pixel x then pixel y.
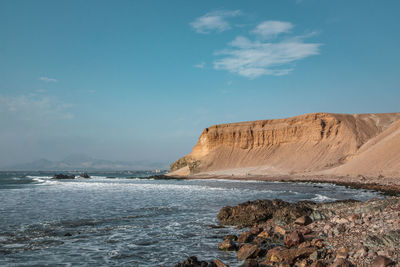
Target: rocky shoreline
{"type": "Point", "coordinates": [340, 233]}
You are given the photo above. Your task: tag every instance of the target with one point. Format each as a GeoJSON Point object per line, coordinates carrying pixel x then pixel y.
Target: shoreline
{"type": "Point", "coordinates": [388, 186]}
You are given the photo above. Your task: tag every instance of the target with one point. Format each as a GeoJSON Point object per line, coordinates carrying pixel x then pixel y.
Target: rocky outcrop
{"type": "Point", "coordinates": [298, 145]}
{"type": "Point", "coordinates": [63, 176]}
{"type": "Point", "coordinates": [251, 212]}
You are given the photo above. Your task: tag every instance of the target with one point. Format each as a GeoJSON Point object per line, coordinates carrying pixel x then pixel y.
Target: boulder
{"type": "Point", "coordinates": [293, 239]}
{"type": "Point", "coordinates": [84, 175]}
{"type": "Point", "coordinates": [382, 261]}
{"type": "Point", "coordinates": [281, 254]}
{"type": "Point", "coordinates": [219, 263]}
{"type": "Point", "coordinates": [258, 211]}
{"type": "Point", "coordinates": [227, 244]}
{"type": "Point", "coordinates": [303, 220]}
{"type": "Point", "coordinates": [63, 176]}
{"type": "Point", "coordinates": [249, 251]}
{"type": "Point", "coordinates": [340, 262]}
{"type": "Point", "coordinates": [245, 237]}
{"type": "Point", "coordinates": [194, 262]}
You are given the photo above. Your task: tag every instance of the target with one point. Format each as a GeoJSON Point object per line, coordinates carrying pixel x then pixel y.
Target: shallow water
{"type": "Point", "coordinates": [129, 221]}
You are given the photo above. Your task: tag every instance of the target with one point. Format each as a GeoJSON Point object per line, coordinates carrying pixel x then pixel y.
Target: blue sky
{"type": "Point", "coordinates": [130, 80]}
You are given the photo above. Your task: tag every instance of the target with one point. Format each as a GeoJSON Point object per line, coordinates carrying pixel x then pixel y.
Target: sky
{"type": "Point", "coordinates": [140, 80]}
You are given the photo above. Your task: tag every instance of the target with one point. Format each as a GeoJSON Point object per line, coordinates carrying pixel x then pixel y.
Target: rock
{"type": "Point", "coordinates": [251, 263]}
{"type": "Point", "coordinates": [293, 239]}
{"type": "Point", "coordinates": [342, 253]}
{"type": "Point", "coordinates": [303, 220]}
{"type": "Point", "coordinates": [194, 262]}
{"type": "Point", "coordinates": [252, 212]}
{"type": "Point", "coordinates": [280, 254]}
{"type": "Point", "coordinates": [305, 244]}
{"type": "Point", "coordinates": [318, 263]}
{"type": "Point", "coordinates": [245, 237]}
{"type": "Point", "coordinates": [314, 256]}
{"type": "Point", "coordinates": [341, 263]}
{"type": "Point", "coordinates": [317, 243]}
{"type": "Point", "coordinates": [63, 176]}
{"type": "Point", "coordinates": [85, 175]}
{"type": "Point", "coordinates": [382, 261]}
{"type": "Point", "coordinates": [248, 251]}
{"type": "Point", "coordinates": [256, 230]}
{"type": "Point", "coordinates": [279, 230]}
{"type": "Point", "coordinates": [232, 237]}
{"type": "Point", "coordinates": [264, 234]}
{"type": "Point", "coordinates": [219, 263]}
{"type": "Point", "coordinates": [227, 244]}
{"type": "Point", "coordinates": [67, 234]}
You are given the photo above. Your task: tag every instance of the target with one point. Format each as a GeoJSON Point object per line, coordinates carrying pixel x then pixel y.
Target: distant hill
{"type": "Point", "coordinates": [86, 163]}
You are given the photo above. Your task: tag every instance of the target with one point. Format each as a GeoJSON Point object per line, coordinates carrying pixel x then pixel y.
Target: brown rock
{"type": "Point", "coordinates": [251, 263]}
{"type": "Point", "coordinates": [293, 239]}
{"type": "Point", "coordinates": [303, 220]}
{"type": "Point", "coordinates": [342, 253]}
{"type": "Point", "coordinates": [245, 237]}
{"type": "Point", "coordinates": [264, 234]}
{"type": "Point", "coordinates": [279, 230]}
{"type": "Point", "coordinates": [341, 263]}
{"type": "Point", "coordinates": [256, 230]}
{"type": "Point", "coordinates": [232, 237]}
{"type": "Point", "coordinates": [220, 263]}
{"type": "Point", "coordinates": [248, 251]}
{"type": "Point", "coordinates": [318, 263]}
{"type": "Point", "coordinates": [227, 244]}
{"type": "Point", "coordinates": [280, 254]}
{"type": "Point", "coordinates": [305, 244]}
{"type": "Point", "coordinates": [317, 243]}
{"type": "Point", "coordinates": [382, 261]}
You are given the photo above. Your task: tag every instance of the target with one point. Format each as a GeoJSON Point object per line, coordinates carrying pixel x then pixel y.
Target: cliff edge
{"type": "Point", "coordinates": [318, 143]}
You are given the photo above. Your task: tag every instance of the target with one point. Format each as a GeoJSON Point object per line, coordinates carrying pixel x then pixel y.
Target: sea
{"type": "Point", "coordinates": [128, 219]}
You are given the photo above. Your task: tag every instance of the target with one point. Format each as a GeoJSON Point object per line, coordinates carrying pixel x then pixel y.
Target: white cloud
{"type": "Point", "coordinates": [271, 28]}
{"type": "Point", "coordinates": [254, 58]}
{"type": "Point", "coordinates": [31, 109]}
{"type": "Point", "coordinates": [200, 65]}
{"type": "Point", "coordinates": [214, 21]}
{"type": "Point", "coordinates": [48, 80]}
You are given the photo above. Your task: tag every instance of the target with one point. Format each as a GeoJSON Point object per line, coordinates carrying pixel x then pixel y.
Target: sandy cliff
{"type": "Point", "coordinates": [323, 143]}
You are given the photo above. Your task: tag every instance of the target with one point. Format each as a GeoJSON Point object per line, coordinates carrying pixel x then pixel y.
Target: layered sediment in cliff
{"type": "Point", "coordinates": [303, 144]}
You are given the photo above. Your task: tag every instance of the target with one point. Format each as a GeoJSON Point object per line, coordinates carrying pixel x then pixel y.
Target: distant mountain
{"type": "Point", "coordinates": [81, 162]}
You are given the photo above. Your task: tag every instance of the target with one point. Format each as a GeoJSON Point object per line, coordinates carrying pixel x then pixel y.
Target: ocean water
{"type": "Point", "coordinates": [125, 219]}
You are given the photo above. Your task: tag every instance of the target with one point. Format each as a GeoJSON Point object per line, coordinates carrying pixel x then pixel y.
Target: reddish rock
{"type": "Point", "coordinates": [303, 220]}
{"type": "Point", "coordinates": [382, 261]}
{"type": "Point", "coordinates": [264, 234]}
{"type": "Point", "coordinates": [220, 263]}
{"type": "Point", "coordinates": [318, 263]}
{"type": "Point", "coordinates": [293, 239]}
{"type": "Point", "coordinates": [279, 230]}
{"type": "Point", "coordinates": [256, 230]}
{"type": "Point", "coordinates": [341, 263]}
{"type": "Point", "coordinates": [248, 251]}
{"type": "Point", "coordinates": [317, 243]}
{"type": "Point", "coordinates": [245, 237]}
{"type": "Point", "coordinates": [280, 254]}
{"type": "Point", "coordinates": [251, 263]}
{"type": "Point", "coordinates": [227, 244]}
{"type": "Point", "coordinates": [232, 237]}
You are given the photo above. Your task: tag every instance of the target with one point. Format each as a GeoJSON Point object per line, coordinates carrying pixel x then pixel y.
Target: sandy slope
{"type": "Point", "coordinates": [311, 144]}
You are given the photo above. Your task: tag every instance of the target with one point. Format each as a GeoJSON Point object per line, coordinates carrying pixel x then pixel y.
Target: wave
{"type": "Point", "coordinates": [322, 198]}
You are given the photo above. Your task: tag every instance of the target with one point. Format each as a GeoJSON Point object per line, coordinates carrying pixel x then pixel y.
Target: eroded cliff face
{"type": "Point", "coordinates": [299, 144]}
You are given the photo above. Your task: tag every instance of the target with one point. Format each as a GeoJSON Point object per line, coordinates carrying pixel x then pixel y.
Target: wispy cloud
{"type": "Point", "coordinates": [200, 65]}
{"type": "Point", "coordinates": [271, 28]}
{"type": "Point", "coordinates": [48, 80]}
{"type": "Point", "coordinates": [254, 58]}
{"type": "Point", "coordinates": [214, 21]}
{"type": "Point", "coordinates": [33, 109]}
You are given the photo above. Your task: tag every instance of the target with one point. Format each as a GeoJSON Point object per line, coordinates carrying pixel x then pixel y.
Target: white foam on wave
{"type": "Point", "coordinates": [322, 198]}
